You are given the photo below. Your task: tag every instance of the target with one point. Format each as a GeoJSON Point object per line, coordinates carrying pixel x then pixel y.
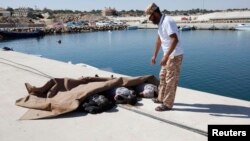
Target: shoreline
{"type": "Point", "coordinates": [81, 29]}
{"type": "Point", "coordinates": [195, 26]}
{"type": "Point", "coordinates": [211, 21]}
{"type": "Point", "coordinates": [137, 25]}
{"type": "Point", "coordinates": [133, 25]}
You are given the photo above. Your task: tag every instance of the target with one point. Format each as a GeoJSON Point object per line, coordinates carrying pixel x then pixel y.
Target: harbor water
{"type": "Point", "coordinates": [214, 61]}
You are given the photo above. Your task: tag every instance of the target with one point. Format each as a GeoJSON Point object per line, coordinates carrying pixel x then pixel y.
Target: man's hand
{"type": "Point", "coordinates": [153, 60]}
{"type": "Point", "coordinates": [164, 60]}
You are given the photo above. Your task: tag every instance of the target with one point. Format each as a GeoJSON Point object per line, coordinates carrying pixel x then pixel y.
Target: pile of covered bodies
{"type": "Point", "coordinates": [90, 94]}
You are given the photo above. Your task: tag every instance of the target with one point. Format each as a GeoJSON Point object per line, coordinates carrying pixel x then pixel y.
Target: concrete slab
{"type": "Point", "coordinates": [193, 110]}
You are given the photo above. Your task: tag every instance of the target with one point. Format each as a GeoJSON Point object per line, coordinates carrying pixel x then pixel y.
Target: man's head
{"type": "Point", "coordinates": [154, 13]}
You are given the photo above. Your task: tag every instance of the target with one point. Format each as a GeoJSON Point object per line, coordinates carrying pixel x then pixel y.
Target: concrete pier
{"type": "Point", "coordinates": [196, 26]}
{"type": "Point", "coordinates": [192, 113]}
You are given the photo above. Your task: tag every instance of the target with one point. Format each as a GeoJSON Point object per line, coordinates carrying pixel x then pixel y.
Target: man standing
{"type": "Point", "coordinates": [168, 39]}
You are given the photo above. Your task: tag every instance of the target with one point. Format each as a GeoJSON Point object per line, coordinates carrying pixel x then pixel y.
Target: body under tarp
{"type": "Point", "coordinates": [63, 95]}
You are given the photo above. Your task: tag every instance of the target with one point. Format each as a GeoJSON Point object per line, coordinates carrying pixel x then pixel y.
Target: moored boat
{"type": "Point", "coordinates": [185, 28]}
{"type": "Point", "coordinates": [132, 27]}
{"type": "Point", "coordinates": [243, 27]}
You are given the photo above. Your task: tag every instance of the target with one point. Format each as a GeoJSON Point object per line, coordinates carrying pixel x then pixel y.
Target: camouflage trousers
{"type": "Point", "coordinates": [169, 77]}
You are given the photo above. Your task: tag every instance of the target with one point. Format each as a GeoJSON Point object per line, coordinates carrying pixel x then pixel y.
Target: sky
{"type": "Point", "coordinates": [87, 5]}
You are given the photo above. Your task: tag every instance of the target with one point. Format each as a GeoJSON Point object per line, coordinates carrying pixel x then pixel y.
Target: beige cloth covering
{"type": "Point", "coordinates": [63, 95]}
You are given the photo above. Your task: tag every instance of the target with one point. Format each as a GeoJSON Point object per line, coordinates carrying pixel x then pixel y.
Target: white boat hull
{"type": "Point", "coordinates": [243, 27]}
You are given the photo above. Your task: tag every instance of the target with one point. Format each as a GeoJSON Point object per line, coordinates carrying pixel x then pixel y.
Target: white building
{"type": "Point", "coordinates": [109, 11]}
{"type": "Point", "coordinates": [21, 12]}
{"type": "Point", "coordinates": [4, 13]}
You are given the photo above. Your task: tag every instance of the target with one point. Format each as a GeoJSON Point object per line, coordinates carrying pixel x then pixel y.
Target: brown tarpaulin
{"type": "Point", "coordinates": [63, 95]}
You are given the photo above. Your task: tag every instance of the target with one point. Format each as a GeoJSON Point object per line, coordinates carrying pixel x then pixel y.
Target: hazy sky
{"type": "Point", "coordinates": [126, 4]}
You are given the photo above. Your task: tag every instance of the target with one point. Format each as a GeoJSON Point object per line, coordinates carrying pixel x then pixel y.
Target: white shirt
{"type": "Point", "coordinates": [166, 27]}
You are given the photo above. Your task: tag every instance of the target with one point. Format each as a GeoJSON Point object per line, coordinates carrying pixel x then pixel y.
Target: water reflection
{"type": "Point", "coordinates": [110, 37]}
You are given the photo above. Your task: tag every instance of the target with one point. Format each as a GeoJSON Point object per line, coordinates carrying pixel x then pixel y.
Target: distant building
{"type": "Point", "coordinates": [4, 13]}
{"type": "Point", "coordinates": [21, 12]}
{"type": "Point", "coordinates": [226, 17]}
{"type": "Point", "coordinates": [109, 12]}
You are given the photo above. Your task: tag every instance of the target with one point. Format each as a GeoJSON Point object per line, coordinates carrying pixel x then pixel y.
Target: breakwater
{"type": "Point", "coordinates": [56, 30]}
{"type": "Point", "coordinates": [84, 29]}
{"type": "Point", "coordinates": [196, 26]}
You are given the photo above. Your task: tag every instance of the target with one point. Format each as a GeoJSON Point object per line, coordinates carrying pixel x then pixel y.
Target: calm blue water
{"type": "Point", "coordinates": [215, 61]}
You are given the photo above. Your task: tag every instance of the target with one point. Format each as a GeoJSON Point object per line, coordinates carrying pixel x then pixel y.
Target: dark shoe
{"type": "Point", "coordinates": [162, 108]}
{"type": "Point", "coordinates": [155, 100]}
{"type": "Point", "coordinates": [29, 87]}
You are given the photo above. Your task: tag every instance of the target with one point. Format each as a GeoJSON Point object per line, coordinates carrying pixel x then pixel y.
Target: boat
{"type": "Point", "coordinates": [132, 27]}
{"type": "Point", "coordinates": [243, 27]}
{"type": "Point", "coordinates": [17, 35]}
{"type": "Point", "coordinates": [213, 28]}
{"type": "Point", "coordinates": [185, 28]}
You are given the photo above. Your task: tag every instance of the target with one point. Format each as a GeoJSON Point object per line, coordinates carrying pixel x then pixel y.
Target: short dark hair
{"type": "Point", "coordinates": [158, 10]}
{"type": "Point", "coordinates": [132, 100]}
